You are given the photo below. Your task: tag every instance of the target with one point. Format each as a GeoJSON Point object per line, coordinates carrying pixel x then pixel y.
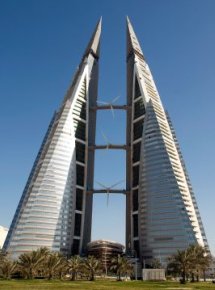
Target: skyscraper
{"type": "Point", "coordinates": [55, 209]}
{"type": "Point", "coordinates": [162, 214]}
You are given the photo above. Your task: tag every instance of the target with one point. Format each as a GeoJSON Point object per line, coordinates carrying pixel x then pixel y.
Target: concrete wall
{"type": "Point", "coordinates": [153, 274]}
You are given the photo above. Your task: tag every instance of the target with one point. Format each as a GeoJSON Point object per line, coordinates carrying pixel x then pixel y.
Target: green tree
{"type": "Point", "coordinates": [121, 266]}
{"type": "Point", "coordinates": [200, 261]}
{"type": "Point", "coordinates": [43, 251]}
{"type": "Point", "coordinates": [61, 271]}
{"type": "Point", "coordinates": [92, 266]}
{"type": "Point", "coordinates": [3, 256]}
{"type": "Point", "coordinates": [29, 263]}
{"type": "Point", "coordinates": [156, 264]}
{"type": "Point", "coordinates": [7, 268]}
{"type": "Point", "coordinates": [180, 263]}
{"type": "Point", "coordinates": [192, 261]}
{"type": "Point", "coordinates": [53, 264]}
{"type": "Point", "coordinates": [74, 266]}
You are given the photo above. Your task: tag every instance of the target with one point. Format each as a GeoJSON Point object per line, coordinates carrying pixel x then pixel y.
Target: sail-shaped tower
{"type": "Point", "coordinates": [54, 210]}
{"type": "Point", "coordinates": [162, 214]}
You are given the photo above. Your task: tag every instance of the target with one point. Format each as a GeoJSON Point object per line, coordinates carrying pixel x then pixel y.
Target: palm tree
{"type": "Point", "coordinates": [53, 264]}
{"type": "Point", "coordinates": [92, 266]}
{"type": "Point", "coordinates": [62, 270]}
{"type": "Point", "coordinates": [3, 256]}
{"type": "Point", "coordinates": [194, 260]}
{"type": "Point", "coordinates": [74, 266]}
{"type": "Point", "coordinates": [43, 251]}
{"type": "Point", "coordinates": [121, 266]}
{"type": "Point", "coordinates": [200, 261]}
{"type": "Point", "coordinates": [29, 263]}
{"type": "Point", "coordinates": [156, 264]}
{"type": "Point", "coordinates": [7, 268]}
{"type": "Point", "coordinates": [181, 263]}
{"type": "Point", "coordinates": [128, 268]}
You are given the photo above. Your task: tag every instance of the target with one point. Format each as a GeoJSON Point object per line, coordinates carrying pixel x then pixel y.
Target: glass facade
{"type": "Point", "coordinates": [162, 208]}
{"type": "Point", "coordinates": [51, 212]}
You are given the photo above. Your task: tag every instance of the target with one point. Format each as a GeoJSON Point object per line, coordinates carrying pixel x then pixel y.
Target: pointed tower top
{"type": "Point", "coordinates": [93, 46]}
{"type": "Point", "coordinates": [133, 45]}
{"type": "Point", "coordinates": [92, 49]}
{"type": "Point", "coordinates": [128, 20]}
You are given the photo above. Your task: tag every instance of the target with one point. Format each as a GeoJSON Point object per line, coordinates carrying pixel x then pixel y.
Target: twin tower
{"type": "Point", "coordinates": [55, 209]}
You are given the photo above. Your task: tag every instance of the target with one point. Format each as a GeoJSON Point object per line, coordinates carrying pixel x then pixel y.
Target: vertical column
{"type": "Point", "coordinates": [130, 61]}
{"type": "Point", "coordinates": [92, 102]}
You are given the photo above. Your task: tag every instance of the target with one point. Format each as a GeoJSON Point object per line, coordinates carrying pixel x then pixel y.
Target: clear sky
{"type": "Point", "coordinates": [41, 43]}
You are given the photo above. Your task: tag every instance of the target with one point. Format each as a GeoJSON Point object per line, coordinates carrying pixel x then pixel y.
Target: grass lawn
{"type": "Point", "coordinates": [99, 285]}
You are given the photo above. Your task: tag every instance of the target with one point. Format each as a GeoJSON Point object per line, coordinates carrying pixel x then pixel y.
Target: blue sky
{"type": "Point", "coordinates": [41, 43]}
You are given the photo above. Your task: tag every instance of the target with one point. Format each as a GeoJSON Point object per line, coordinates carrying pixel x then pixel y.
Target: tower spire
{"type": "Point", "coordinates": [133, 46]}
{"type": "Point", "coordinates": [93, 46]}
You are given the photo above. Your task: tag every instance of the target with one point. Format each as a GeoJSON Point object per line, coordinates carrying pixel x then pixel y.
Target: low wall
{"type": "Point", "coordinates": [153, 274]}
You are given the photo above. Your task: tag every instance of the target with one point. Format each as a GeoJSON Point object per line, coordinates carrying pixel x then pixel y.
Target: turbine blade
{"type": "Point", "coordinates": [101, 102]}
{"type": "Point", "coordinates": [102, 185]}
{"type": "Point", "coordinates": [106, 141]}
{"type": "Point", "coordinates": [115, 184]}
{"type": "Point", "coordinates": [105, 137]}
{"type": "Point", "coordinates": [115, 99]}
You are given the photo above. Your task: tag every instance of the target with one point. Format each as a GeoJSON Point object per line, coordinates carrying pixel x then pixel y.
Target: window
{"type": "Point", "coordinates": [75, 247]}
{"type": "Point", "coordinates": [136, 152]}
{"type": "Point", "coordinates": [79, 199]}
{"type": "Point", "coordinates": [135, 225]}
{"type": "Point", "coordinates": [135, 176]}
{"type": "Point", "coordinates": [80, 175]}
{"type": "Point", "coordinates": [136, 248]}
{"type": "Point", "coordinates": [77, 231]}
{"type": "Point", "coordinates": [80, 130]}
{"type": "Point", "coordinates": [139, 109]}
{"type": "Point", "coordinates": [138, 129]}
{"type": "Point", "coordinates": [137, 89]}
{"type": "Point", "coordinates": [80, 152]}
{"type": "Point", "coordinates": [135, 200]}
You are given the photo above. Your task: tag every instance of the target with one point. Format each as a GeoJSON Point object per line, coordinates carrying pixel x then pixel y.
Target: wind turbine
{"type": "Point", "coordinates": [111, 103]}
{"type": "Point", "coordinates": [108, 188]}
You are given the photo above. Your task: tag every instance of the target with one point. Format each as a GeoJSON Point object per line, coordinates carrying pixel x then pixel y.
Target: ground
{"type": "Point", "coordinates": [100, 285]}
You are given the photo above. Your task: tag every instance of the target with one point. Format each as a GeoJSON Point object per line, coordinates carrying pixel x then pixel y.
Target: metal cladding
{"type": "Point", "coordinates": [162, 214]}
{"type": "Point", "coordinates": [55, 209]}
